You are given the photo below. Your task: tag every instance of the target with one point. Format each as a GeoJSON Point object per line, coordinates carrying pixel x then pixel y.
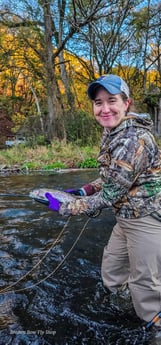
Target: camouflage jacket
{"type": "Point", "coordinates": [130, 171]}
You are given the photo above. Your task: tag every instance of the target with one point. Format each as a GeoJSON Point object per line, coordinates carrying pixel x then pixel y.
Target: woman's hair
{"type": "Point", "coordinates": [123, 96]}
{"type": "Point", "coordinates": [131, 107]}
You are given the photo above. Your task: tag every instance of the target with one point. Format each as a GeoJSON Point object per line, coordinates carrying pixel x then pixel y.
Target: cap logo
{"type": "Point", "coordinates": [102, 77]}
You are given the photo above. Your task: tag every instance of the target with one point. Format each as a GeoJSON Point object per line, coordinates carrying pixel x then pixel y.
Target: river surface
{"type": "Point", "coordinates": [50, 281]}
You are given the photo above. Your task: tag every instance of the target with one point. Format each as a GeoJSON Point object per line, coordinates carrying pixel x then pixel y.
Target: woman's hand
{"type": "Point", "coordinates": [54, 204]}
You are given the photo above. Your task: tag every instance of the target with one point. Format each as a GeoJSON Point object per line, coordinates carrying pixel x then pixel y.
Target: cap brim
{"type": "Point", "coordinates": [94, 86]}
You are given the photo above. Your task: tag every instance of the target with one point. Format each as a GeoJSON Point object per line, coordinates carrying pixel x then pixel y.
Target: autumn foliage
{"type": "Point", "coordinates": [43, 85]}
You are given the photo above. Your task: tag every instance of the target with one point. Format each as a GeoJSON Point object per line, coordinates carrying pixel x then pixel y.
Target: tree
{"type": "Point", "coordinates": [52, 34]}
{"type": "Point", "coordinates": [148, 36]}
{"type": "Point", "coordinates": [59, 46]}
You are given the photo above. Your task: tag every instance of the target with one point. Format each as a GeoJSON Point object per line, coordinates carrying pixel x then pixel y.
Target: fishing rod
{"type": "Point", "coordinates": [155, 319]}
{"type": "Point", "coordinates": [8, 195]}
{"type": "Point", "coordinates": [13, 195]}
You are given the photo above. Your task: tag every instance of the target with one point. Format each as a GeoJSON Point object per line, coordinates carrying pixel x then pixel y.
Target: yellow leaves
{"type": "Point", "coordinates": [152, 76]}
{"type": "Point", "coordinates": [15, 56]}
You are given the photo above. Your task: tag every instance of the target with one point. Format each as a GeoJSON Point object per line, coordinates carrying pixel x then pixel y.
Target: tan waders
{"type": "Point", "coordinates": [133, 254]}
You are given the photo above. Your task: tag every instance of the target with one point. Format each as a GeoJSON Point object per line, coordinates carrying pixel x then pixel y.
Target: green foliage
{"type": "Point", "coordinates": [158, 140]}
{"type": "Point", "coordinates": [60, 155]}
{"type": "Point", "coordinates": [50, 166]}
{"type": "Point", "coordinates": [82, 129]}
{"type": "Point", "coordinates": [40, 140]}
{"type": "Point", "coordinates": [88, 163]}
{"type": "Point", "coordinates": [56, 165]}
{"type": "Point", "coordinates": [152, 99]}
{"type": "Point", "coordinates": [88, 151]}
{"type": "Point", "coordinates": [30, 165]}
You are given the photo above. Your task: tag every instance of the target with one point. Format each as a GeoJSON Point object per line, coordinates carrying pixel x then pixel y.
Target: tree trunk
{"type": "Point", "coordinates": [66, 81]}
{"type": "Point", "coordinates": [159, 118]}
{"type": "Point", "coordinates": [53, 100]}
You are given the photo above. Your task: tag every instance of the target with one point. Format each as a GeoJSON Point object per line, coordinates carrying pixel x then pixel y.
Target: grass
{"type": "Point", "coordinates": [57, 156]}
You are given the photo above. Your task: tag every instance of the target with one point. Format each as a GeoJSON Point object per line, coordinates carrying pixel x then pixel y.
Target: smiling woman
{"type": "Point", "coordinates": [130, 182]}
{"type": "Point", "coordinates": [110, 97]}
{"type": "Point", "coordinates": [109, 109]}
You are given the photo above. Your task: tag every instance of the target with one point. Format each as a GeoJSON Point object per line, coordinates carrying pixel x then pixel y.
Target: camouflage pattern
{"type": "Point", "coordinates": [130, 171]}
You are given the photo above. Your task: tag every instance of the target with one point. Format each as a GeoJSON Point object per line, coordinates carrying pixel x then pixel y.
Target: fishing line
{"type": "Point", "coordinates": [40, 261]}
{"type": "Point", "coordinates": [56, 268]}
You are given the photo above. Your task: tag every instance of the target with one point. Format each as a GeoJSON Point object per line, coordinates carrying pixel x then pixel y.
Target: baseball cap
{"type": "Point", "coordinates": [111, 83]}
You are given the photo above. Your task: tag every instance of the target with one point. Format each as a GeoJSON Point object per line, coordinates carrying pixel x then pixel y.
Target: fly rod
{"type": "Point", "coordinates": [7, 195]}
{"type": "Point", "coordinates": [155, 319]}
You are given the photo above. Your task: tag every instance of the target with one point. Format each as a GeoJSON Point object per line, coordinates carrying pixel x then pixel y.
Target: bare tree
{"type": "Point", "coordinates": [101, 34]}
{"type": "Point", "coordinates": [56, 22]}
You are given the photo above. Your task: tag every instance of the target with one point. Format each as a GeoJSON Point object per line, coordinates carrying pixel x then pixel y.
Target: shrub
{"type": "Point", "coordinates": [56, 165]}
{"type": "Point", "coordinates": [88, 163]}
{"type": "Point", "coordinates": [82, 129]}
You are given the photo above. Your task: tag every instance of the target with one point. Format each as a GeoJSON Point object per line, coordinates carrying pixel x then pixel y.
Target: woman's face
{"type": "Point", "coordinates": [109, 109]}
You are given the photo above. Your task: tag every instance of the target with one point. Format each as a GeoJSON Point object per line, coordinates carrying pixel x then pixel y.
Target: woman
{"type": "Point", "coordinates": [130, 181]}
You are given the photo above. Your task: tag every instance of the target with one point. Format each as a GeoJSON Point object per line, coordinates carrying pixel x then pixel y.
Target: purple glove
{"type": "Point", "coordinates": [54, 204]}
{"type": "Point", "coordinates": [75, 191]}
{"type": "Point", "coordinates": [86, 189]}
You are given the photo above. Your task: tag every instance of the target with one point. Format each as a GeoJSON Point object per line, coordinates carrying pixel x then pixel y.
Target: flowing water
{"type": "Point", "coordinates": [51, 291]}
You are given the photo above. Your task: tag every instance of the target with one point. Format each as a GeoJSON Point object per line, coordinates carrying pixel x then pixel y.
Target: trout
{"type": "Point", "coordinates": [39, 195]}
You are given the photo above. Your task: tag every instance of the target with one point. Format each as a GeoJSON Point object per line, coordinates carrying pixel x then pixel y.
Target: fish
{"type": "Point", "coordinates": [39, 195]}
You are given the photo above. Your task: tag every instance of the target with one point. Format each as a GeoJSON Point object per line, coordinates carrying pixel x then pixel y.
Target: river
{"type": "Point", "coordinates": [51, 291]}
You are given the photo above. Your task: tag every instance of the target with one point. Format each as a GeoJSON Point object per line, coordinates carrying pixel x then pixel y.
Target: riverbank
{"type": "Point", "coordinates": [58, 156]}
